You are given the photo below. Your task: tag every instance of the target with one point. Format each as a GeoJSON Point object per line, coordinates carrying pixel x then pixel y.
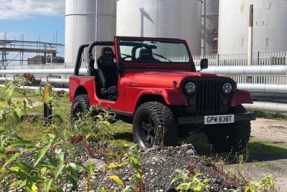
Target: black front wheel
{"type": "Point", "coordinates": [154, 123]}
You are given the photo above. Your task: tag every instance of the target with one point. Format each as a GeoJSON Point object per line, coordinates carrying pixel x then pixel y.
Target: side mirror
{"type": "Point", "coordinates": [203, 64]}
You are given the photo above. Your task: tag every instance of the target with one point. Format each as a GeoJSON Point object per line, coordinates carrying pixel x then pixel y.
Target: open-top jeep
{"type": "Point", "coordinates": [153, 84]}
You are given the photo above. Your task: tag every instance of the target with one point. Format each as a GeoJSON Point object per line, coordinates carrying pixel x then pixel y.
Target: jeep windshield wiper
{"type": "Point", "coordinates": [161, 56]}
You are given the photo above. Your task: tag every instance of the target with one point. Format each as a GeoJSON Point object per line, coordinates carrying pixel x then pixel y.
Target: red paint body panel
{"type": "Point", "coordinates": [86, 82]}
{"type": "Point", "coordinates": [241, 96]}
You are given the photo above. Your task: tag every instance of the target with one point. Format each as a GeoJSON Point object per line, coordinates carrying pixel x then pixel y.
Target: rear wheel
{"type": "Point", "coordinates": [230, 137]}
{"type": "Point", "coordinates": [154, 123]}
{"type": "Point", "coordinates": [79, 106]}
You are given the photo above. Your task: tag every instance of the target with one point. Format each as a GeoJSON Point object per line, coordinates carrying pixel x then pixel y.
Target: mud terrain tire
{"type": "Point", "coordinates": [154, 123]}
{"type": "Point", "coordinates": [80, 104]}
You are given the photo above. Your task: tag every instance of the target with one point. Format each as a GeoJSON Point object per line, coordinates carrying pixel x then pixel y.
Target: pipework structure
{"type": "Point", "coordinates": [17, 49]}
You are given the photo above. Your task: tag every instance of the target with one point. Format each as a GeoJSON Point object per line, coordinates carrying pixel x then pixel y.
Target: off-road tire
{"type": "Point", "coordinates": [230, 137]}
{"type": "Point", "coordinates": [80, 105]}
{"type": "Point", "coordinates": [154, 123]}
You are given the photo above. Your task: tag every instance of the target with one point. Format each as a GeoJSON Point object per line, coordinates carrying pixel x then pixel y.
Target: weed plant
{"type": "Point", "coordinates": [38, 154]}
{"type": "Point", "coordinates": [43, 161]}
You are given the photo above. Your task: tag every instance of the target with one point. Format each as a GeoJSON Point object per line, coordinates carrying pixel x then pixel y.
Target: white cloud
{"type": "Point", "coordinates": [19, 9]}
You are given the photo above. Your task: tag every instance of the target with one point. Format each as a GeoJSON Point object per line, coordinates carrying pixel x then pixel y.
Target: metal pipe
{"type": "Point", "coordinates": [264, 70]}
{"type": "Point", "coordinates": [250, 42]}
{"type": "Point", "coordinates": [262, 106]}
{"type": "Point", "coordinates": [6, 78]}
{"type": "Point", "coordinates": [260, 88]}
{"type": "Point", "coordinates": [250, 36]}
{"type": "Point", "coordinates": [50, 80]}
{"type": "Point", "coordinates": [204, 26]}
{"type": "Point", "coordinates": [35, 88]}
{"type": "Point", "coordinates": [267, 106]}
{"type": "Point", "coordinates": [42, 71]}
{"type": "Point", "coordinates": [264, 88]}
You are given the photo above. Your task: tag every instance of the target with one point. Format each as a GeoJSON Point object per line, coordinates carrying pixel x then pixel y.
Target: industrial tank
{"type": "Point", "coordinates": [87, 21]}
{"type": "Point", "coordinates": [270, 26]}
{"type": "Point", "coordinates": [210, 31]}
{"type": "Point", "coordinates": [161, 18]}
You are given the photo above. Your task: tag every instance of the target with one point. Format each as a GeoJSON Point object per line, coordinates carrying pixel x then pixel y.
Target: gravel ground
{"type": "Point", "coordinates": [158, 167]}
{"type": "Point", "coordinates": [270, 130]}
{"type": "Point", "coordinates": [273, 131]}
{"type": "Point", "coordinates": [159, 164]}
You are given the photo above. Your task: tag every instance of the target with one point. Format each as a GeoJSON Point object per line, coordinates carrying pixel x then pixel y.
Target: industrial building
{"type": "Point", "coordinates": [211, 27]}
{"type": "Point", "coordinates": [270, 26]}
{"type": "Point", "coordinates": [204, 24]}
{"type": "Point", "coordinates": [13, 51]}
{"type": "Point", "coordinates": [215, 29]}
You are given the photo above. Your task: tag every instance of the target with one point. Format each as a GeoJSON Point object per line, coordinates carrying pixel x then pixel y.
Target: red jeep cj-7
{"type": "Point", "coordinates": [153, 84]}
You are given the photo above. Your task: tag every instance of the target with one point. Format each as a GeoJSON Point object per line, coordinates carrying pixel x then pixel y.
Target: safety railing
{"type": "Point", "coordinates": [270, 80]}
{"type": "Point", "coordinates": [239, 59]}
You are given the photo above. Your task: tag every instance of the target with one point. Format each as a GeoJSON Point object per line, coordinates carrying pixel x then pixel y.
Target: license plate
{"type": "Point", "coordinates": [218, 119]}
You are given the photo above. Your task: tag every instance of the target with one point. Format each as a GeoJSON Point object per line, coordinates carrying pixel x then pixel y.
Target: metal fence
{"type": "Point", "coordinates": [240, 59]}
{"type": "Point", "coordinates": [273, 92]}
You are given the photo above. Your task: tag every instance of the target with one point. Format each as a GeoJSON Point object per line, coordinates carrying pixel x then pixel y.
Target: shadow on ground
{"type": "Point", "coordinates": [259, 151]}
{"type": "Point", "coordinates": [256, 151]}
{"type": "Point", "coordinates": [127, 136]}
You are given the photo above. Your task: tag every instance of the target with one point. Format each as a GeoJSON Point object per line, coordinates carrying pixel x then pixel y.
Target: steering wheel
{"type": "Point", "coordinates": [126, 57]}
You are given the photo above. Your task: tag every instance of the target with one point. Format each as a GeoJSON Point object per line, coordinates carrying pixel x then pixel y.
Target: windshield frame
{"type": "Point", "coordinates": [120, 39]}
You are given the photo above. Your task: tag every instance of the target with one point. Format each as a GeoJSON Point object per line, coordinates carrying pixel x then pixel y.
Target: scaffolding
{"type": "Point", "coordinates": [45, 50]}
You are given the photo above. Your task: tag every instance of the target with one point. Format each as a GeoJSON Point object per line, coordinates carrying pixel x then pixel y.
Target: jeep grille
{"type": "Point", "coordinates": [208, 95]}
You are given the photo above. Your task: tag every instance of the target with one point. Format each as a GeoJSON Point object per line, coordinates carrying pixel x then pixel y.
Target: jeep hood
{"type": "Point", "coordinates": [163, 79]}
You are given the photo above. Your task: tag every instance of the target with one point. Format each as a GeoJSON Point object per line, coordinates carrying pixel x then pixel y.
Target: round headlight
{"type": "Point", "coordinates": [190, 88]}
{"type": "Point", "coordinates": [227, 88]}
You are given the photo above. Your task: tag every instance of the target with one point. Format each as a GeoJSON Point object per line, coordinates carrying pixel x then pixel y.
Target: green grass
{"type": "Point", "coordinates": [123, 135]}
{"type": "Point", "coordinates": [199, 141]}
{"type": "Point", "coordinates": [268, 115]}
{"type": "Point", "coordinates": [34, 130]}
{"type": "Point", "coordinates": [262, 151]}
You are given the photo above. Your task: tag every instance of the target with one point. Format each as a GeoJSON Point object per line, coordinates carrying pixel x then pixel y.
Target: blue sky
{"type": "Point", "coordinates": [34, 19]}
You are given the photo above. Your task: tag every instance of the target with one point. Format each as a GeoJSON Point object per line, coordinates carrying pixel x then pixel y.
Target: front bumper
{"type": "Point", "coordinates": [200, 119]}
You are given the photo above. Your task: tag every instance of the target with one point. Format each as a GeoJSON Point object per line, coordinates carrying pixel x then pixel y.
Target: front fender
{"type": "Point", "coordinates": [170, 96]}
{"type": "Point", "coordinates": [241, 96]}
{"type": "Point", "coordinates": [174, 97]}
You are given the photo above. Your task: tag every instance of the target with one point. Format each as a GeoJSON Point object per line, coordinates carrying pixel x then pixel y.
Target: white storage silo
{"type": "Point", "coordinates": [270, 26]}
{"type": "Point", "coordinates": [87, 21]}
{"type": "Point", "coordinates": [161, 18]}
{"type": "Point", "coordinates": [211, 28]}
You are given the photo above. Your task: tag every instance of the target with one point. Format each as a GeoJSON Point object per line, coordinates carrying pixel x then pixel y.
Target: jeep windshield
{"type": "Point", "coordinates": [154, 51]}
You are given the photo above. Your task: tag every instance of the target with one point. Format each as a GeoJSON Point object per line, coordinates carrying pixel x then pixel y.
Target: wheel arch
{"type": "Point", "coordinates": [80, 90]}
{"type": "Point", "coordinates": [149, 97]}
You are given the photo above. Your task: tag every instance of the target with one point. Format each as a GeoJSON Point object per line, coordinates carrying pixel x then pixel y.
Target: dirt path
{"type": "Point", "coordinates": [273, 132]}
